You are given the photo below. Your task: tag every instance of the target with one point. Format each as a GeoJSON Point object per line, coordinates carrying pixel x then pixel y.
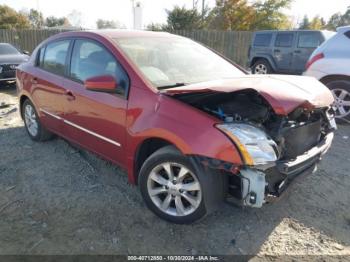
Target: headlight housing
{"type": "Point", "coordinates": [256, 147]}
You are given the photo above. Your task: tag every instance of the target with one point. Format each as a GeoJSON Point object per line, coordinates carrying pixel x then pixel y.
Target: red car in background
{"type": "Point", "coordinates": [190, 127]}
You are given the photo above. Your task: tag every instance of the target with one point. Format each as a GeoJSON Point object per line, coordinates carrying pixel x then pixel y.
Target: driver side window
{"type": "Point", "coordinates": [90, 59]}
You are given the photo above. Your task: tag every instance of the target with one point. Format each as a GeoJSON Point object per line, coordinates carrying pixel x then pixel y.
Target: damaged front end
{"type": "Point", "coordinates": [275, 148]}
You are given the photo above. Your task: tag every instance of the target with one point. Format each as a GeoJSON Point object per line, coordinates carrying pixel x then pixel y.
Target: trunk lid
{"type": "Point", "coordinates": [284, 93]}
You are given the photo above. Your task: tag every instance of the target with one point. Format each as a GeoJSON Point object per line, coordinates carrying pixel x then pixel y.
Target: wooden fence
{"type": "Point", "coordinates": [26, 39]}
{"type": "Point", "coordinates": [234, 45]}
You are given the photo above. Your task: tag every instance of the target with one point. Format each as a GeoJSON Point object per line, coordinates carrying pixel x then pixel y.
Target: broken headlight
{"type": "Point", "coordinates": [256, 147]}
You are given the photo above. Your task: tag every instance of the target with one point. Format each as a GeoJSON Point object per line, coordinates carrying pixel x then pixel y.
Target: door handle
{"type": "Point", "coordinates": [70, 96]}
{"type": "Point", "coordinates": [277, 50]}
{"type": "Point", "coordinates": [297, 51]}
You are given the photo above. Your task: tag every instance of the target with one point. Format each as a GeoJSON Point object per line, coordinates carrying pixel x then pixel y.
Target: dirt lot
{"type": "Point", "coordinates": [55, 199]}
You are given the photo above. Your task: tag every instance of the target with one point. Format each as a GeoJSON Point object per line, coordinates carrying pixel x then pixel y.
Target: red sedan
{"type": "Point", "coordinates": [190, 127]}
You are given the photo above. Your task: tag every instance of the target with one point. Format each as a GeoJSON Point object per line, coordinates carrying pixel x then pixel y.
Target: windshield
{"type": "Point", "coordinates": [7, 49]}
{"type": "Point", "coordinates": [176, 61]}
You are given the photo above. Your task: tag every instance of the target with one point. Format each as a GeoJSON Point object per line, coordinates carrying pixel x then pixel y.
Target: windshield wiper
{"type": "Point", "coordinates": [171, 86]}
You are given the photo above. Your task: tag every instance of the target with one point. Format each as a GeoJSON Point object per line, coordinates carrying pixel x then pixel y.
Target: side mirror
{"type": "Point", "coordinates": [26, 52]}
{"type": "Point", "coordinates": [105, 83]}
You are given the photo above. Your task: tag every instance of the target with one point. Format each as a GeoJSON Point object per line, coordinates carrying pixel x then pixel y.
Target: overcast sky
{"type": "Point", "coordinates": [154, 10]}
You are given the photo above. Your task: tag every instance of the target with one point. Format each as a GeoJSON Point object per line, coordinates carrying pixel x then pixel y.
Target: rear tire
{"type": "Point", "coordinates": [262, 67]}
{"type": "Point", "coordinates": [340, 89]}
{"type": "Point", "coordinates": [184, 192]}
{"type": "Point", "coordinates": [34, 128]}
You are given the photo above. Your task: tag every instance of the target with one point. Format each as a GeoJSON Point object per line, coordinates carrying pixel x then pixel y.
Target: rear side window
{"type": "Point", "coordinates": [90, 59]}
{"type": "Point", "coordinates": [309, 40]}
{"type": "Point", "coordinates": [262, 39]}
{"type": "Point", "coordinates": [55, 57]}
{"type": "Point", "coordinates": [284, 40]}
{"type": "Point", "coordinates": [40, 57]}
{"type": "Point", "coordinates": [347, 34]}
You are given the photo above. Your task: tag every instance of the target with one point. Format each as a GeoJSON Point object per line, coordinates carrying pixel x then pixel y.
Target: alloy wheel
{"type": "Point", "coordinates": [174, 189]}
{"type": "Point", "coordinates": [31, 120]}
{"type": "Point", "coordinates": [342, 102]}
{"type": "Point", "coordinates": [260, 69]}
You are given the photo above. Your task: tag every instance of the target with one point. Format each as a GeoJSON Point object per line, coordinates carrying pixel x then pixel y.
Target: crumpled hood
{"type": "Point", "coordinates": [283, 92]}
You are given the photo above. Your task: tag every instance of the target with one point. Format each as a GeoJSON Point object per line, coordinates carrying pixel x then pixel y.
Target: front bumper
{"type": "Point", "coordinates": [259, 187]}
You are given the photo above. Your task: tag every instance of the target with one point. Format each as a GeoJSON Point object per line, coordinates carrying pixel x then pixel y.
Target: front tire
{"type": "Point", "coordinates": [174, 188]}
{"type": "Point", "coordinates": [340, 89]}
{"type": "Point", "coordinates": [32, 123]}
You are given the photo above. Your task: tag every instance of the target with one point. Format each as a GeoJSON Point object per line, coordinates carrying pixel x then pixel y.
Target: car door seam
{"type": "Point", "coordinates": [82, 128]}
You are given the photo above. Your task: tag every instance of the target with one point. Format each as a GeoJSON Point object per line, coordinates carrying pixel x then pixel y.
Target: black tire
{"type": "Point", "coordinates": [337, 86]}
{"type": "Point", "coordinates": [42, 133]}
{"type": "Point", "coordinates": [212, 184]}
{"type": "Point", "coordinates": [260, 66]}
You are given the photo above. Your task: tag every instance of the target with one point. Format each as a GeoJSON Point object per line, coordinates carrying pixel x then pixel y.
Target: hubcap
{"type": "Point", "coordinates": [174, 189]}
{"type": "Point", "coordinates": [30, 120]}
{"type": "Point", "coordinates": [341, 104]}
{"type": "Point", "coordinates": [260, 69]}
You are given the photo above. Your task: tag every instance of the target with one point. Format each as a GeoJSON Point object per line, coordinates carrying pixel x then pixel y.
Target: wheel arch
{"type": "Point", "coordinates": [146, 148]}
{"type": "Point", "coordinates": [329, 78]}
{"type": "Point", "coordinates": [21, 101]}
{"type": "Point", "coordinates": [266, 58]}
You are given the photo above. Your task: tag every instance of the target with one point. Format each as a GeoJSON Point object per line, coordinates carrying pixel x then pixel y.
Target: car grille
{"type": "Point", "coordinates": [8, 67]}
{"type": "Point", "coordinates": [8, 70]}
{"type": "Point", "coordinates": [301, 138]}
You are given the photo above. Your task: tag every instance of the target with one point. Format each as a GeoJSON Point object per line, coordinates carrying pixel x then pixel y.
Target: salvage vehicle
{"type": "Point", "coordinates": [190, 127]}
{"type": "Point", "coordinates": [10, 58]}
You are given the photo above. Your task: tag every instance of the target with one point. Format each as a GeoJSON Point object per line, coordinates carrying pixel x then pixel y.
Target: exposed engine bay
{"type": "Point", "coordinates": [305, 127]}
{"type": "Point", "coordinates": [300, 132]}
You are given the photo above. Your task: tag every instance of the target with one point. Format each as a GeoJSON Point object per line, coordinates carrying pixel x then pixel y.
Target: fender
{"type": "Point", "coordinates": [268, 57]}
{"type": "Point", "coordinates": [192, 131]}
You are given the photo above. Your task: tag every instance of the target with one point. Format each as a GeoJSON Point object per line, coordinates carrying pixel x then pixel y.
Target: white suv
{"type": "Point", "coordinates": [330, 63]}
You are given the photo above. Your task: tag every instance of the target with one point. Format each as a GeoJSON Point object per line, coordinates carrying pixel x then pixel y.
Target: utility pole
{"type": "Point", "coordinates": [203, 6]}
{"type": "Point", "coordinates": [133, 13]}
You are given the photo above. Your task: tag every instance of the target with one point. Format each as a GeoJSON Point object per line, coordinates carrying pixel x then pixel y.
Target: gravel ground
{"type": "Point", "coordinates": [56, 199]}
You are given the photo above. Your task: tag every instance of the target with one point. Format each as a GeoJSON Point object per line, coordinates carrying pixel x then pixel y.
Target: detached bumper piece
{"type": "Point", "coordinates": [258, 187]}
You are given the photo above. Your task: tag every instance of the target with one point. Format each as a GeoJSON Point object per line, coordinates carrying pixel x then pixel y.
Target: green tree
{"type": "Point", "coordinates": [317, 23]}
{"type": "Point", "coordinates": [242, 15]}
{"type": "Point", "coordinates": [305, 24]}
{"type": "Point", "coordinates": [102, 24]}
{"type": "Point", "coordinates": [180, 18]}
{"type": "Point", "coordinates": [345, 19]}
{"type": "Point", "coordinates": [269, 15]}
{"type": "Point", "coordinates": [156, 27]}
{"type": "Point", "coordinates": [36, 18]}
{"type": "Point", "coordinates": [338, 20]}
{"type": "Point", "coordinates": [52, 21]}
{"type": "Point", "coordinates": [334, 21]}
{"type": "Point", "coordinates": [10, 19]}
{"type": "Point", "coordinates": [231, 15]}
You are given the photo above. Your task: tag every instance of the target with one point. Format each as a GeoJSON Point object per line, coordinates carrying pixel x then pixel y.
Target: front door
{"type": "Point", "coordinates": [283, 51]}
{"type": "Point", "coordinates": [96, 120]}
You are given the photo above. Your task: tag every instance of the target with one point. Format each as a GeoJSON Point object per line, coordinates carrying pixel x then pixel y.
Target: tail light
{"type": "Point", "coordinates": [314, 59]}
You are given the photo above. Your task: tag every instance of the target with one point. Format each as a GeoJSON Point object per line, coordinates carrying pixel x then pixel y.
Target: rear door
{"type": "Point", "coordinates": [47, 83]}
{"type": "Point", "coordinates": [307, 42]}
{"type": "Point", "coordinates": [283, 51]}
{"type": "Point", "coordinates": [261, 45]}
{"type": "Point", "coordinates": [96, 120]}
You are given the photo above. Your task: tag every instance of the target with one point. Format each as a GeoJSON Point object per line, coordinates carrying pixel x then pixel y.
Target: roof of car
{"type": "Point", "coordinates": [278, 31]}
{"type": "Point", "coordinates": [118, 33]}
{"type": "Point", "coordinates": [343, 28]}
